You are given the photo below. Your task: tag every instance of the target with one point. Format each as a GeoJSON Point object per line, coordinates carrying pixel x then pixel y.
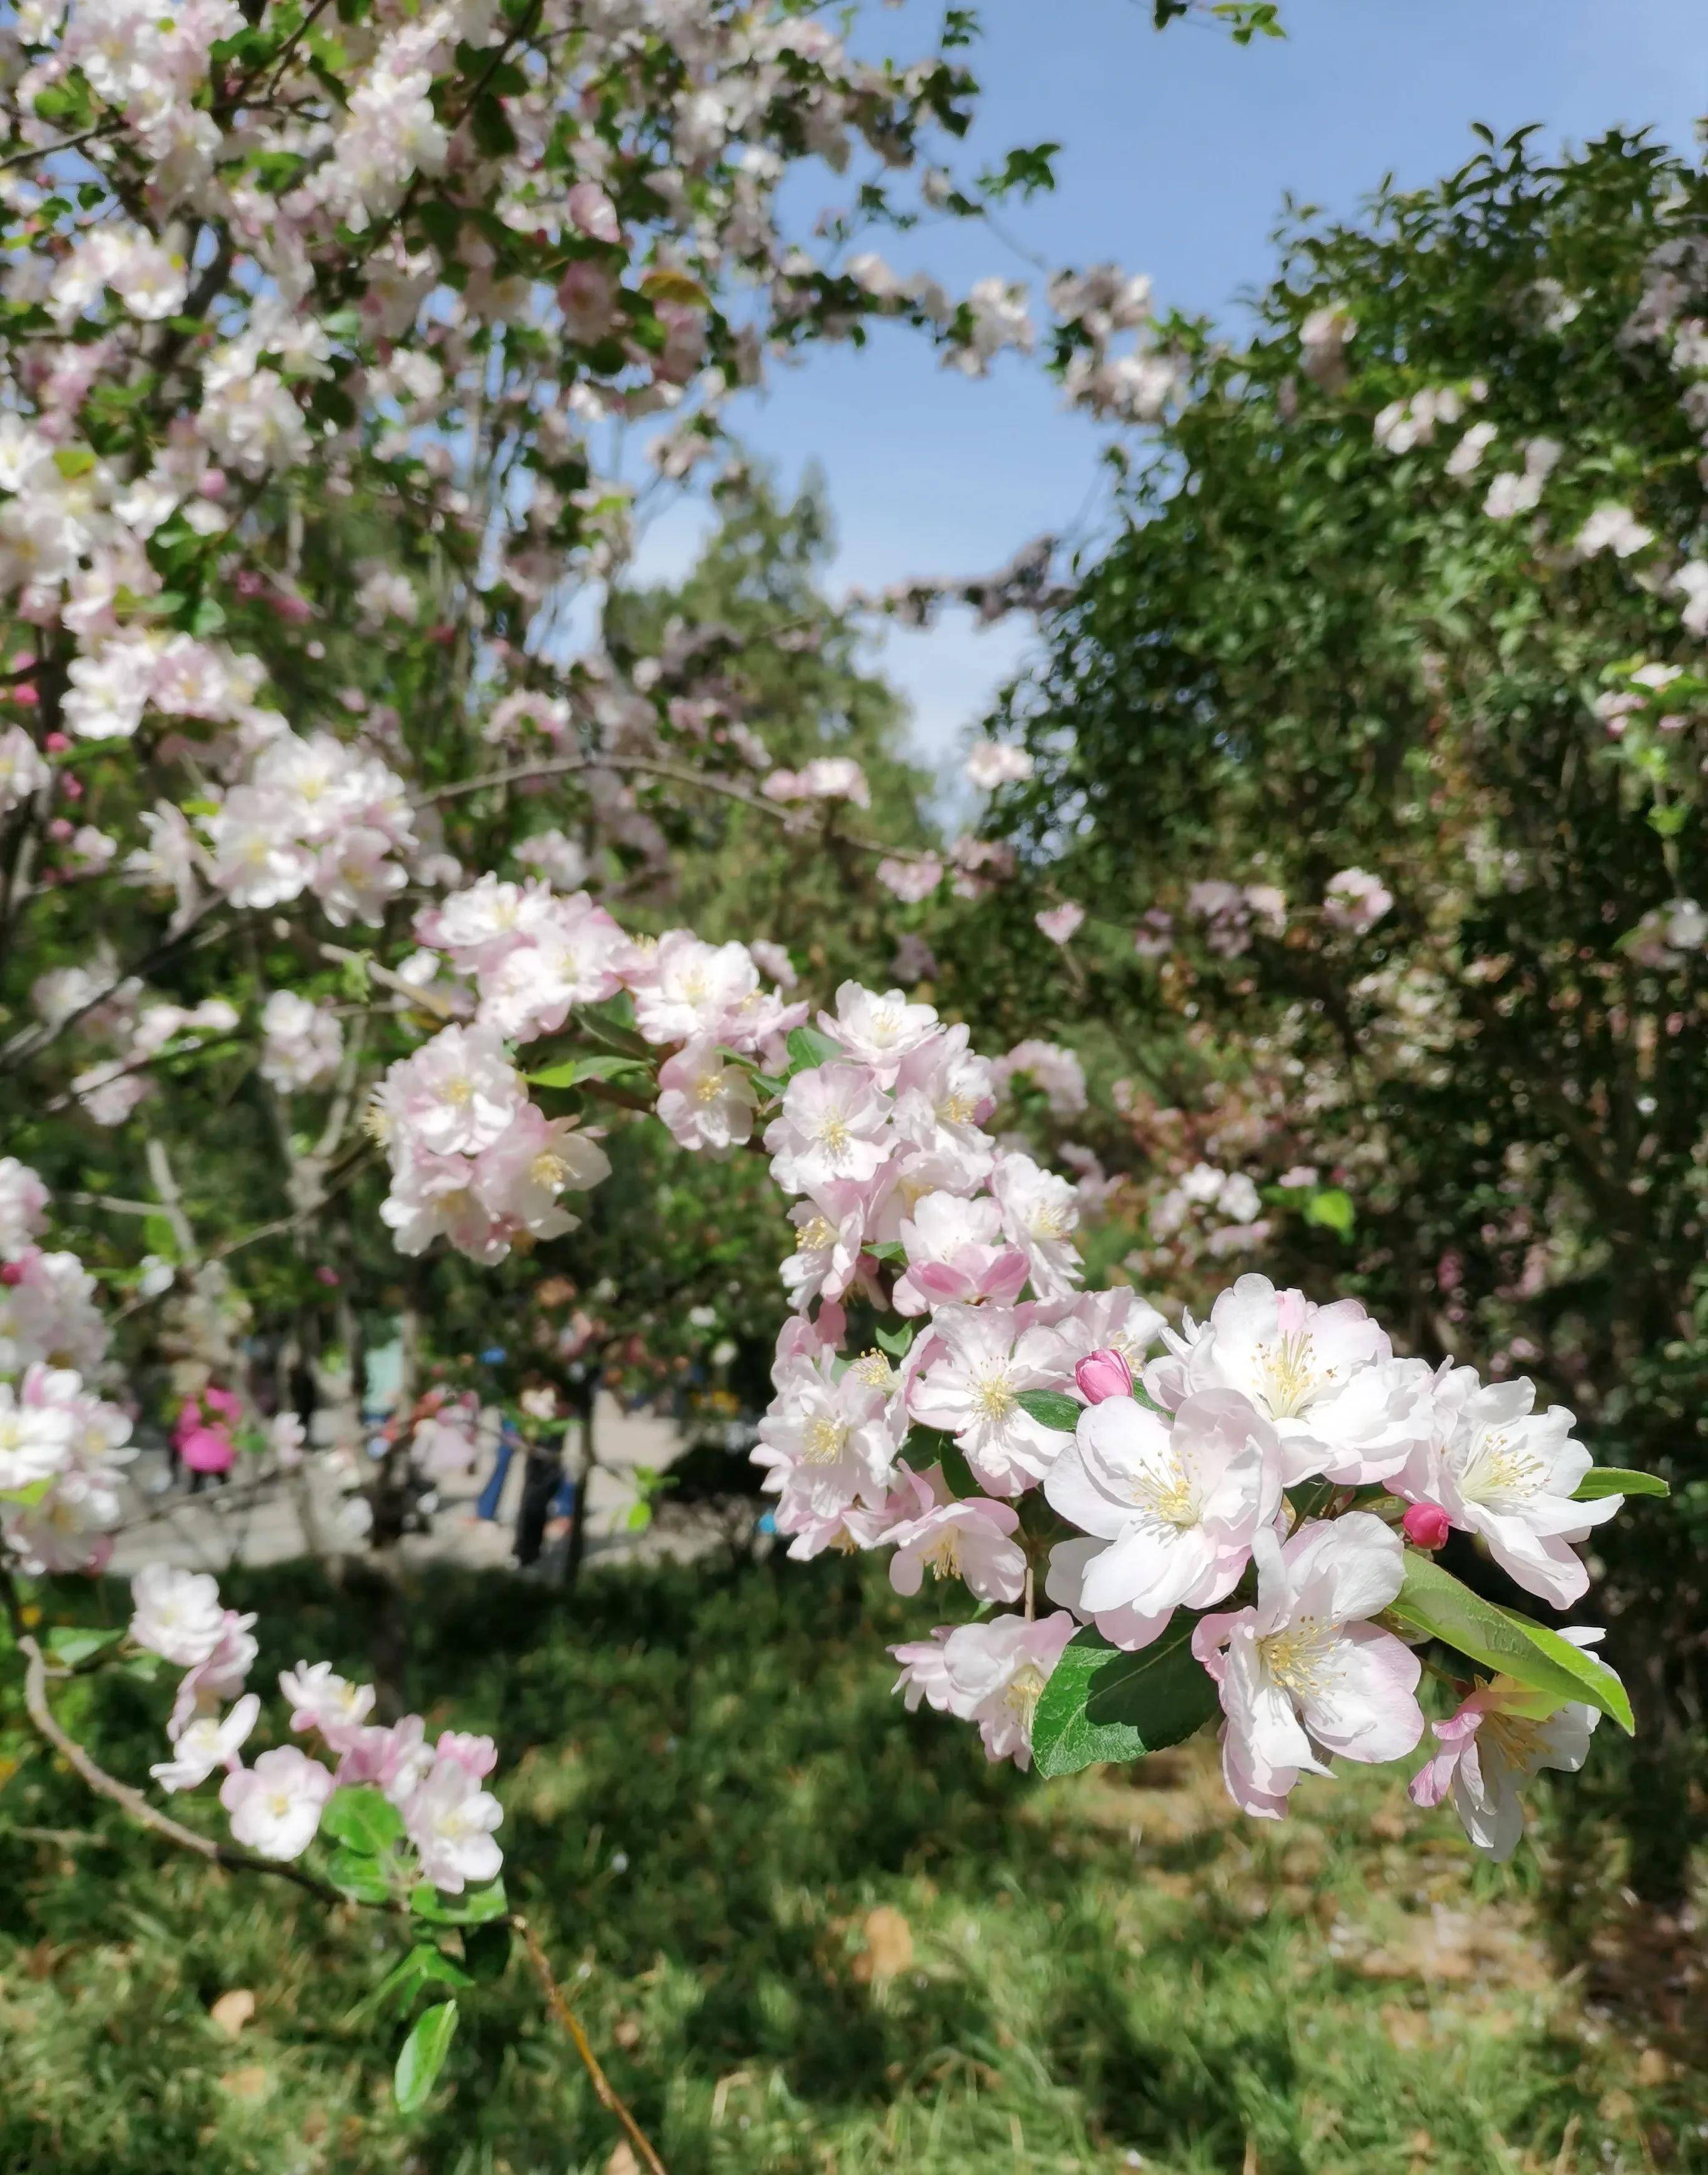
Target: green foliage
{"type": "Point", "coordinates": [1102, 1704]}
{"type": "Point", "coordinates": [1052, 1408]}
{"type": "Point", "coordinates": [423, 2056]}
{"type": "Point", "coordinates": [1432, 1601]}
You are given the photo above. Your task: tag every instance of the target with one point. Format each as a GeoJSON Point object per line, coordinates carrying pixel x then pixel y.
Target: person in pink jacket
{"type": "Point", "coordinates": [202, 1441]}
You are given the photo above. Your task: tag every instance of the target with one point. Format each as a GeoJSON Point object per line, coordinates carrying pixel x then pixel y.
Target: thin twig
{"type": "Point", "coordinates": [565, 765]}
{"type": "Point", "coordinates": [557, 2002]}
{"type": "Point", "coordinates": [146, 1816]}
{"type": "Point", "coordinates": [66, 143]}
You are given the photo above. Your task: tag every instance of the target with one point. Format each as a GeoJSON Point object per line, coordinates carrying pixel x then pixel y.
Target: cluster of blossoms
{"type": "Point", "coordinates": [276, 1803]}
{"type": "Point", "coordinates": [63, 1447]}
{"type": "Point", "coordinates": [472, 1158]}
{"type": "Point", "coordinates": [1270, 1470]}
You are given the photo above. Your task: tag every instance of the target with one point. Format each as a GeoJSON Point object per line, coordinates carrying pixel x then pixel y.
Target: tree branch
{"type": "Point", "coordinates": [137, 1807]}
{"type": "Point", "coordinates": [557, 2002]}
{"type": "Point", "coordinates": [134, 1805]}
{"type": "Point", "coordinates": [564, 765]}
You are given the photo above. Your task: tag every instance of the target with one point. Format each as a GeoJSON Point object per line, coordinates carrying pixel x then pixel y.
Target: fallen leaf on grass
{"type": "Point", "coordinates": [251, 2083]}
{"type": "Point", "coordinates": [889, 1946]}
{"type": "Point", "coordinates": [233, 2010]}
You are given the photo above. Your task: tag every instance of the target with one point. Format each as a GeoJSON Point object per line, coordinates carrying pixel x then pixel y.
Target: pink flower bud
{"type": "Point", "coordinates": [72, 788]}
{"type": "Point", "coordinates": [60, 829]}
{"type": "Point", "coordinates": [325, 1275]}
{"type": "Point", "coordinates": [11, 1272]}
{"type": "Point", "coordinates": [1427, 1526]}
{"type": "Point", "coordinates": [212, 484]}
{"type": "Point", "coordinates": [56, 743]}
{"type": "Point", "coordinates": [25, 695]}
{"type": "Point", "coordinates": [1103, 1375]}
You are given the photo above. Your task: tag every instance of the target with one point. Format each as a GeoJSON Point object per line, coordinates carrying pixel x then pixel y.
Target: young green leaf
{"type": "Point", "coordinates": [574, 1069]}
{"type": "Point", "coordinates": [925, 1447]}
{"type": "Point", "coordinates": [357, 1873]}
{"type": "Point", "coordinates": [423, 2056]}
{"type": "Point", "coordinates": [1102, 1704]}
{"type": "Point", "coordinates": [362, 1820]}
{"type": "Point", "coordinates": [807, 1049]}
{"type": "Point", "coordinates": [473, 1907]}
{"type": "Point", "coordinates": [423, 1965]}
{"type": "Point", "coordinates": [73, 1644]}
{"type": "Point", "coordinates": [1617, 1480]}
{"type": "Point", "coordinates": [1052, 1408]}
{"type": "Point", "coordinates": [897, 1342]}
{"type": "Point", "coordinates": [1433, 1601]}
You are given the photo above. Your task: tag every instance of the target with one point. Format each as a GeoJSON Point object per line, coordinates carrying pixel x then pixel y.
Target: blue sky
{"type": "Point", "coordinates": [1177, 148]}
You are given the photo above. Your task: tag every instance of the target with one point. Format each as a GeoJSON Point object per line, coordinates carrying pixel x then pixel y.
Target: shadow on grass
{"type": "Point", "coordinates": [709, 1787]}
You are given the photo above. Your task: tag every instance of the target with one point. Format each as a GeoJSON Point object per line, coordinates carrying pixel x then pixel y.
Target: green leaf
{"type": "Point", "coordinates": [808, 1050]}
{"type": "Point", "coordinates": [358, 1875]}
{"type": "Point", "coordinates": [575, 1070]}
{"type": "Point", "coordinates": [160, 1237]}
{"type": "Point", "coordinates": [1433, 1601]}
{"type": "Point", "coordinates": [423, 1965]}
{"type": "Point", "coordinates": [1332, 1209]}
{"type": "Point", "coordinates": [1102, 1704]}
{"type": "Point", "coordinates": [72, 461]}
{"type": "Point", "coordinates": [925, 1447]}
{"type": "Point", "coordinates": [486, 1949]}
{"type": "Point", "coordinates": [1617, 1480]}
{"type": "Point", "coordinates": [74, 1644]}
{"type": "Point", "coordinates": [1052, 1408]}
{"type": "Point", "coordinates": [473, 1907]}
{"type": "Point", "coordinates": [362, 1818]}
{"type": "Point", "coordinates": [424, 2056]}
{"type": "Point", "coordinates": [891, 1251]}
{"type": "Point", "coordinates": [898, 1343]}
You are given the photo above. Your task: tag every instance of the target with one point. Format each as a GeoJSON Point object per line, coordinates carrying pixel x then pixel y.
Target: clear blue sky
{"type": "Point", "coordinates": [1178, 148]}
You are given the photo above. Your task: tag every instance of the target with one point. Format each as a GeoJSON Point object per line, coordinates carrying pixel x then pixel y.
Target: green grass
{"type": "Point", "coordinates": [709, 1794]}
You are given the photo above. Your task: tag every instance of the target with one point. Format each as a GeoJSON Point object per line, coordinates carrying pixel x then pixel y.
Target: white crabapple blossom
{"type": "Point", "coordinates": [956, 1254]}
{"type": "Point", "coordinates": [972, 1541]}
{"type": "Point", "coordinates": [177, 1613]}
{"type": "Point", "coordinates": [1176, 1497]}
{"type": "Point", "coordinates": [993, 1673]}
{"type": "Point", "coordinates": [449, 1819]}
{"type": "Point", "coordinates": [205, 1742]}
{"type": "Point", "coordinates": [878, 1032]}
{"type": "Point", "coordinates": [275, 1805]}
{"type": "Point", "coordinates": [1493, 1744]}
{"type": "Point", "coordinates": [827, 1441]}
{"type": "Point", "coordinates": [320, 1699]}
{"type": "Point", "coordinates": [35, 1436]}
{"type": "Point", "coordinates": [706, 1101]}
{"type": "Point", "coordinates": [1040, 1213]}
{"type": "Point", "coordinates": [1508, 1473]}
{"type": "Point", "coordinates": [1305, 1674]}
{"type": "Point", "coordinates": [1355, 901]}
{"type": "Point", "coordinates": [980, 1360]}
{"type": "Point", "coordinates": [997, 763]}
{"type": "Point", "coordinates": [1326, 1377]}
{"type": "Point", "coordinates": [834, 1124]}
{"type": "Point", "coordinates": [301, 1042]}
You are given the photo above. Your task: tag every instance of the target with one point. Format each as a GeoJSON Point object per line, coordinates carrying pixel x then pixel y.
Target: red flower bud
{"type": "Point", "coordinates": [1103, 1375]}
{"type": "Point", "coordinates": [1427, 1526]}
{"type": "Point", "coordinates": [11, 1272]}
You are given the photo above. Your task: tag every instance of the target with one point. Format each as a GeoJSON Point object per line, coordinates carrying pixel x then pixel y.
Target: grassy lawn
{"type": "Point", "coordinates": [818, 1935]}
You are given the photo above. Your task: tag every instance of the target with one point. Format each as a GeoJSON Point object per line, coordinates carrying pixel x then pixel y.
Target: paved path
{"type": "Point", "coordinates": [261, 1521]}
